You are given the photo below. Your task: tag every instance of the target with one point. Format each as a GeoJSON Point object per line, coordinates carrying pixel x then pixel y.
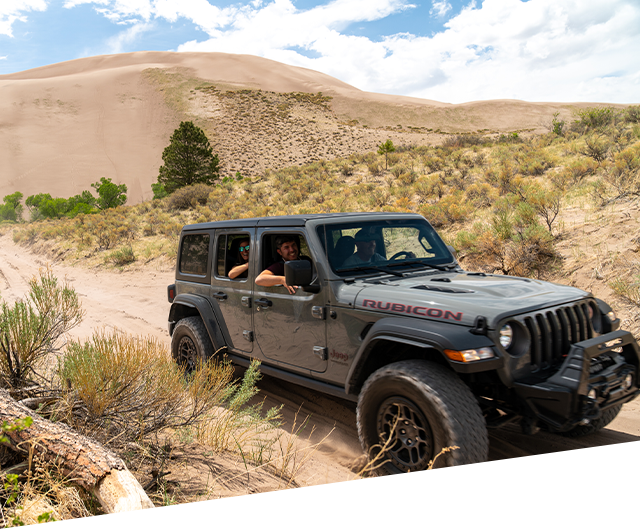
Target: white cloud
{"type": "Point", "coordinates": [440, 8]}
{"type": "Point", "coordinates": [552, 50]}
{"type": "Point", "coordinates": [118, 43]}
{"type": "Point", "coordinates": [14, 10]}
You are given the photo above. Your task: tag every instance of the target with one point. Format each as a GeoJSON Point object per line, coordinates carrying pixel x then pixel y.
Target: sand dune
{"type": "Point", "coordinates": [66, 125]}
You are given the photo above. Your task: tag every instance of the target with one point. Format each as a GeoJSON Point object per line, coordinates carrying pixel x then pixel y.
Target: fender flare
{"type": "Point", "coordinates": [208, 313]}
{"type": "Point", "coordinates": [427, 335]}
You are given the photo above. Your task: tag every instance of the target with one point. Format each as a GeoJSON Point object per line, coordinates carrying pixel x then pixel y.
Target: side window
{"type": "Point", "coordinates": [194, 254]}
{"type": "Point", "coordinates": [270, 253]}
{"type": "Point", "coordinates": [232, 255]}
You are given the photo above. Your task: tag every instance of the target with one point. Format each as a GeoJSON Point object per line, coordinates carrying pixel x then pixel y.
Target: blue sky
{"type": "Point", "coordinates": [447, 50]}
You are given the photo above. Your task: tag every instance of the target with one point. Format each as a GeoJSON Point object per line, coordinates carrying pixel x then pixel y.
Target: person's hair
{"type": "Point", "coordinates": [281, 239]}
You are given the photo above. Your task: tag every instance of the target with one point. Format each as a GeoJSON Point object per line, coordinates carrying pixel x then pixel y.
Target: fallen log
{"type": "Point", "coordinates": [85, 461]}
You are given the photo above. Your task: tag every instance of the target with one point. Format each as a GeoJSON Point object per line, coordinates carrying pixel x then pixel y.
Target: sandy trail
{"type": "Point", "coordinates": [530, 481]}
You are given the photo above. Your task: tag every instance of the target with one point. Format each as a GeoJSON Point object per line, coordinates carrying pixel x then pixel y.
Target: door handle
{"type": "Point", "coordinates": [262, 302]}
{"type": "Point", "coordinates": [220, 295]}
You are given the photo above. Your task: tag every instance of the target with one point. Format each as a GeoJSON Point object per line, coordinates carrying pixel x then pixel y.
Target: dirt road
{"type": "Point", "coordinates": [530, 481]}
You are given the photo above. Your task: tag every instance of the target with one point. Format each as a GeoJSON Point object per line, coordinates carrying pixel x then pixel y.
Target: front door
{"type": "Point", "coordinates": [289, 328]}
{"type": "Point", "coordinates": [233, 295]}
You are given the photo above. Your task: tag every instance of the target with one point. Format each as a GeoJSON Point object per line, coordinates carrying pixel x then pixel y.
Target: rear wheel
{"type": "Point", "coordinates": [409, 411]}
{"type": "Point", "coordinates": [594, 426]}
{"type": "Point", "coordinates": [190, 343]}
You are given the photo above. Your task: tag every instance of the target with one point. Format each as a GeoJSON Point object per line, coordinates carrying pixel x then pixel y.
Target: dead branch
{"type": "Point", "coordinates": [88, 463]}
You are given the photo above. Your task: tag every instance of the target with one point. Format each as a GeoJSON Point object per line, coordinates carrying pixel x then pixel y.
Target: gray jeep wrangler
{"type": "Point", "coordinates": [383, 315]}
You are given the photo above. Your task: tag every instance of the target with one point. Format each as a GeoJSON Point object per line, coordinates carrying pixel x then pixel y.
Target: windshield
{"type": "Point", "coordinates": [390, 246]}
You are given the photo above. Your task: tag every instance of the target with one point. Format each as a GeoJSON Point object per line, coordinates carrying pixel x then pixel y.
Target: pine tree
{"type": "Point", "coordinates": [385, 148]}
{"type": "Point", "coordinates": [188, 159]}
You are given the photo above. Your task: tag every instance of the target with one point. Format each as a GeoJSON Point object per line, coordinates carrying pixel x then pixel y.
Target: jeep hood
{"type": "Point", "coordinates": [457, 297]}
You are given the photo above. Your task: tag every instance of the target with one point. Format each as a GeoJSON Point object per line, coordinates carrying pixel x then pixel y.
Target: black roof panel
{"type": "Point", "coordinates": [289, 220]}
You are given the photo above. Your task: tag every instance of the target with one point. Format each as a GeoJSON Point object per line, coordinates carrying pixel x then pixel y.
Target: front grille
{"type": "Point", "coordinates": [553, 331]}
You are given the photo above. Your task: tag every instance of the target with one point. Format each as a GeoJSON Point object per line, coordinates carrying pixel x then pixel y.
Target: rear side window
{"type": "Point", "coordinates": [194, 254]}
{"type": "Point", "coordinates": [228, 254]}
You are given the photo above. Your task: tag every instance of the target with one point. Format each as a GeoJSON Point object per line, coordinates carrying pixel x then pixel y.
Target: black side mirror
{"type": "Point", "coordinates": [300, 273]}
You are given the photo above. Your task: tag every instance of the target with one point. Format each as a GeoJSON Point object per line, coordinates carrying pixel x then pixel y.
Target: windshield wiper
{"type": "Point", "coordinates": [443, 268]}
{"type": "Point", "coordinates": [371, 267]}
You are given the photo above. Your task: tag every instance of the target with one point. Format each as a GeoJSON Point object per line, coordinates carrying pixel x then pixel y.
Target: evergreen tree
{"type": "Point", "coordinates": [385, 148]}
{"type": "Point", "coordinates": [188, 159]}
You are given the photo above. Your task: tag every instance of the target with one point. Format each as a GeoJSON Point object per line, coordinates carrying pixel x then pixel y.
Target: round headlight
{"type": "Point", "coordinates": [506, 336]}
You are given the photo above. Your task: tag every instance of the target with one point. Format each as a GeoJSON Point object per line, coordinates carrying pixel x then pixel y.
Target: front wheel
{"type": "Point", "coordinates": [190, 343]}
{"type": "Point", "coordinates": [409, 411]}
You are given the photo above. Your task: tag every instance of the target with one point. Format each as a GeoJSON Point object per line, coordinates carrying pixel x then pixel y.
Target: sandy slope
{"type": "Point", "coordinates": [539, 481]}
{"type": "Point", "coordinates": [66, 125]}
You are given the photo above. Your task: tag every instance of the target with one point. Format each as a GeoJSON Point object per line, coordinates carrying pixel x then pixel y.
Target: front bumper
{"type": "Point", "coordinates": [597, 374]}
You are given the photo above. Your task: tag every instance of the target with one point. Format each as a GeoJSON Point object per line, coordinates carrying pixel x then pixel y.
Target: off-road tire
{"type": "Point", "coordinates": [594, 426]}
{"type": "Point", "coordinates": [439, 411]}
{"type": "Point", "coordinates": [190, 343]}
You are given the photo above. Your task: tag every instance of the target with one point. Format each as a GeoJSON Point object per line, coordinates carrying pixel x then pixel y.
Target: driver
{"type": "Point", "coordinates": [287, 248]}
{"type": "Point", "coordinates": [366, 250]}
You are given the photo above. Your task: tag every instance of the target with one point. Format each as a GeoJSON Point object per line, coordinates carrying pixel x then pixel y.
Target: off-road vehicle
{"type": "Point", "coordinates": [432, 354]}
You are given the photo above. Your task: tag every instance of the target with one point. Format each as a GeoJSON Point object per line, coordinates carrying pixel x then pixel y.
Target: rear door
{"type": "Point", "coordinates": [234, 295]}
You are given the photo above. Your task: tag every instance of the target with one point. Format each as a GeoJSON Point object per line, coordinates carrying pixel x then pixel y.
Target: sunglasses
{"type": "Point", "coordinates": [244, 248]}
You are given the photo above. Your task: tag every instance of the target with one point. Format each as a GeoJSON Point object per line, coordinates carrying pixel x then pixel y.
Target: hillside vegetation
{"type": "Point", "coordinates": [502, 201]}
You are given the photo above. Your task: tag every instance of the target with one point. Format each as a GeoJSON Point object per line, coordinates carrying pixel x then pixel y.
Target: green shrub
{"type": "Point", "coordinates": [624, 174]}
{"type": "Point", "coordinates": [557, 125]}
{"type": "Point", "coordinates": [596, 147]}
{"type": "Point", "coordinates": [429, 186]}
{"type": "Point", "coordinates": [463, 140]}
{"type": "Point", "coordinates": [238, 424]}
{"type": "Point", "coordinates": [433, 164]}
{"type": "Point", "coordinates": [110, 227]}
{"type": "Point", "coordinates": [374, 169]}
{"type": "Point", "coordinates": [126, 386]}
{"type": "Point", "coordinates": [159, 192]}
{"type": "Point", "coordinates": [511, 137]}
{"type": "Point", "coordinates": [189, 197]}
{"type": "Point", "coordinates": [481, 194]}
{"type": "Point", "coordinates": [33, 328]}
{"type": "Point", "coordinates": [122, 257]}
{"type": "Point", "coordinates": [534, 163]}
{"type": "Point", "coordinates": [579, 169]}
{"type": "Point", "coordinates": [513, 243]}
{"type": "Point", "coordinates": [594, 118]}
{"type": "Point", "coordinates": [346, 169]}
{"type": "Point", "coordinates": [450, 208]}
{"type": "Point", "coordinates": [632, 114]}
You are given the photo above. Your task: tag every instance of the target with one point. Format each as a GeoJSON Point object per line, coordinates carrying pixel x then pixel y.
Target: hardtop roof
{"type": "Point", "coordinates": [295, 220]}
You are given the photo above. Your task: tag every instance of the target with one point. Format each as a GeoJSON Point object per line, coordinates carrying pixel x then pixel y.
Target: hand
{"type": "Point", "coordinates": [291, 288]}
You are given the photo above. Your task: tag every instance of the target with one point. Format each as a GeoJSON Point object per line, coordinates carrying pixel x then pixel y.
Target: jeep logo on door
{"type": "Point", "coordinates": [408, 309]}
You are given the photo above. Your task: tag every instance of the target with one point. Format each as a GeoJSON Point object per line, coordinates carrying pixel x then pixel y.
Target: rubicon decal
{"type": "Point", "coordinates": [409, 309]}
